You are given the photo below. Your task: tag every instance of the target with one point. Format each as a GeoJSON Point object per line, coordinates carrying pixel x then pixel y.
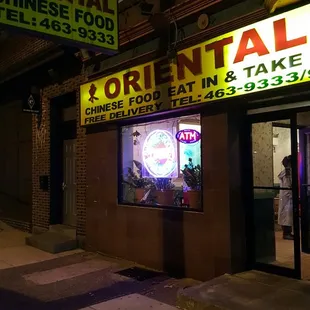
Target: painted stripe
{"type": "Point", "coordinates": [67, 272]}
{"type": "Point", "coordinates": [131, 302]}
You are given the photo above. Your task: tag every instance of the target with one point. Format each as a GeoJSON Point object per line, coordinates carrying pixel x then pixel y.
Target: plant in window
{"type": "Point", "coordinates": [192, 175]}
{"type": "Point", "coordinates": [164, 193]}
{"type": "Point", "coordinates": [162, 184]}
{"type": "Point", "coordinates": [192, 178]}
{"type": "Point", "coordinates": [136, 180]}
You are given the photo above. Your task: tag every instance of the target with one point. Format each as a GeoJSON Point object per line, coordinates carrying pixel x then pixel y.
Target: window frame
{"type": "Point", "coordinates": [190, 122]}
{"type": "Point", "coordinates": [154, 119]}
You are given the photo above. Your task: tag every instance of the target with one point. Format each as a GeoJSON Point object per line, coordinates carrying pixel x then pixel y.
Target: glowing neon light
{"type": "Point", "coordinates": [188, 136]}
{"type": "Point", "coordinates": [159, 154]}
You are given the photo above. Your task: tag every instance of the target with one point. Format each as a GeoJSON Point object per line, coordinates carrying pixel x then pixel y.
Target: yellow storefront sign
{"type": "Point", "coordinates": [272, 5]}
{"type": "Point", "coordinates": [91, 23]}
{"type": "Point", "coordinates": [266, 55]}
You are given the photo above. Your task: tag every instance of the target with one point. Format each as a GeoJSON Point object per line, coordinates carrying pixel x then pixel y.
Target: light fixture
{"type": "Point", "coordinates": [275, 141]}
{"type": "Point", "coordinates": [203, 21]}
{"type": "Point", "coordinates": [146, 8]}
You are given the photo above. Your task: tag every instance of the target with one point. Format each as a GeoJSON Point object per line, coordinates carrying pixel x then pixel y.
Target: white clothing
{"type": "Point", "coordinates": [285, 213]}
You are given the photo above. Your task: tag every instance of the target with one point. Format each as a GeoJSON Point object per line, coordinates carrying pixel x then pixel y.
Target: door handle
{"type": "Point", "coordinates": [305, 185]}
{"type": "Point", "coordinates": [64, 186]}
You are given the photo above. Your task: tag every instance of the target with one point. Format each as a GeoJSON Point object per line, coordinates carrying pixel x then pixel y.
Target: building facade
{"type": "Point", "coordinates": [211, 222]}
{"type": "Point", "coordinates": [20, 55]}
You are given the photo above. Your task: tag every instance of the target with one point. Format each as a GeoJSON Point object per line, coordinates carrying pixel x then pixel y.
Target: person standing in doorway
{"type": "Point", "coordinates": [285, 213]}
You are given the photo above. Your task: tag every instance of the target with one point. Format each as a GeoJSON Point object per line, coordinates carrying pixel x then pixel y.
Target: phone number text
{"type": "Point", "coordinates": [82, 32]}
{"type": "Point", "coordinates": [275, 81]}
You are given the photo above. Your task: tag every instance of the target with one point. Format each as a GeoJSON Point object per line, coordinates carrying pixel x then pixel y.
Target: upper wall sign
{"type": "Point", "coordinates": [266, 55]}
{"type": "Point", "coordinates": [91, 23]}
{"type": "Point", "coordinates": [272, 5]}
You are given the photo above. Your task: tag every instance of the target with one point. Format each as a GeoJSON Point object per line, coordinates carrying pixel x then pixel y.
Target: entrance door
{"type": "Point", "coordinates": [273, 138]}
{"type": "Point", "coordinates": [69, 185]}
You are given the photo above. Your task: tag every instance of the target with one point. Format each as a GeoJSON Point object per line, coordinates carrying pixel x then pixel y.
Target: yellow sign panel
{"type": "Point", "coordinates": [93, 23]}
{"type": "Point", "coordinates": [272, 5]}
{"type": "Point", "coordinates": [266, 55]}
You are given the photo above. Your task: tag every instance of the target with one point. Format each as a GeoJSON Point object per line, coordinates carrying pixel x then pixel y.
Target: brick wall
{"type": "Point", "coordinates": [17, 48]}
{"type": "Point", "coordinates": [15, 165]}
{"type": "Point", "coordinates": [41, 158]}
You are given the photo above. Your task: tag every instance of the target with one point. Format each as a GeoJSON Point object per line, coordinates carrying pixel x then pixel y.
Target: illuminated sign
{"type": "Point", "coordinates": [188, 136]}
{"type": "Point", "coordinates": [266, 55]}
{"type": "Point", "coordinates": [159, 154]}
{"type": "Point", "coordinates": [90, 23]}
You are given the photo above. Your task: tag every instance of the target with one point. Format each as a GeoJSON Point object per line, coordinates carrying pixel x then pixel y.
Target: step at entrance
{"type": "Point", "coordinates": [64, 229]}
{"type": "Point", "coordinates": [52, 242]}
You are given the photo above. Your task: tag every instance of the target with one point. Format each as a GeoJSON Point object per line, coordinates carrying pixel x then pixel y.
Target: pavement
{"type": "Point", "coordinates": [78, 280]}
{"type": "Point", "coordinates": [250, 290]}
{"type": "Point", "coordinates": [31, 279]}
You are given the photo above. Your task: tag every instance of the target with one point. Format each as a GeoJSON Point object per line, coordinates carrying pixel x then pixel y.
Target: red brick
{"type": "Point", "coordinates": [17, 48]}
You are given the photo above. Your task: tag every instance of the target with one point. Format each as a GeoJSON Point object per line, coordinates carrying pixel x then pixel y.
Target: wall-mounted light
{"type": "Point", "coordinates": [275, 141]}
{"type": "Point", "coordinates": [203, 21]}
{"type": "Point", "coordinates": [146, 8]}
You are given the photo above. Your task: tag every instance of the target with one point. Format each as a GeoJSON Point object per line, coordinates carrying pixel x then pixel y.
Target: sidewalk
{"type": "Point", "coordinates": [14, 252]}
{"type": "Point", "coordinates": [32, 279]}
{"type": "Point", "coordinates": [251, 290]}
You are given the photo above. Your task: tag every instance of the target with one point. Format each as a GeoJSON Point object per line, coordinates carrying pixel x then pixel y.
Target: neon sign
{"type": "Point", "coordinates": [188, 136]}
{"type": "Point", "coordinates": [159, 154]}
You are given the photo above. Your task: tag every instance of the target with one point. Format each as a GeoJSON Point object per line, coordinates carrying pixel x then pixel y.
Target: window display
{"type": "Point", "coordinates": [161, 163]}
{"type": "Point", "coordinates": [159, 154]}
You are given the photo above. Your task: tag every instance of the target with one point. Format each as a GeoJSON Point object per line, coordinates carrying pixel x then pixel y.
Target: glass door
{"type": "Point", "coordinates": [274, 195]}
{"type": "Point", "coordinates": [303, 121]}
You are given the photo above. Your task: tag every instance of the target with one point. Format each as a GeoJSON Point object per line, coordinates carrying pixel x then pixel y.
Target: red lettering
{"type": "Point", "coordinates": [218, 48]}
{"type": "Point", "coordinates": [192, 135]}
{"type": "Point", "coordinates": [96, 3]}
{"type": "Point", "coordinates": [131, 79]}
{"type": "Point", "coordinates": [107, 88]}
{"type": "Point", "coordinates": [162, 72]}
{"type": "Point", "coordinates": [101, 5]}
{"type": "Point", "coordinates": [280, 36]}
{"type": "Point", "coordinates": [259, 46]}
{"type": "Point", "coordinates": [194, 66]}
{"type": "Point", "coordinates": [147, 77]}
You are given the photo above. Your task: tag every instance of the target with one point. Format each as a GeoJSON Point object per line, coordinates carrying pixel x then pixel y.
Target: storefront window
{"type": "Point", "coordinates": [161, 163]}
